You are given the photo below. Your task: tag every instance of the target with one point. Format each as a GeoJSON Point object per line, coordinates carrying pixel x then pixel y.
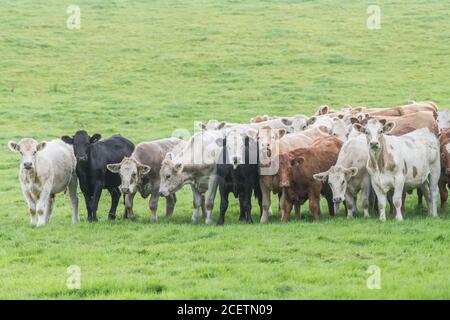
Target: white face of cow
{"type": "Point", "coordinates": [267, 143]}
{"type": "Point", "coordinates": [171, 175]}
{"type": "Point", "coordinates": [235, 148]}
{"type": "Point", "coordinates": [131, 173]}
{"type": "Point", "coordinates": [337, 178]}
{"type": "Point", "coordinates": [374, 131]}
{"type": "Point", "coordinates": [302, 123]}
{"type": "Point", "coordinates": [28, 149]}
{"type": "Point", "coordinates": [340, 129]}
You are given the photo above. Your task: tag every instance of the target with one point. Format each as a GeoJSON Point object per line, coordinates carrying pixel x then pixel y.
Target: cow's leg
{"type": "Point", "coordinates": [265, 203]}
{"type": "Point", "coordinates": [170, 205]}
{"type": "Point", "coordinates": [42, 205]}
{"type": "Point", "coordinates": [314, 205]}
{"type": "Point", "coordinates": [210, 196]}
{"type": "Point", "coordinates": [95, 199]}
{"type": "Point", "coordinates": [382, 198]}
{"type": "Point", "coordinates": [365, 196]}
{"type": "Point", "coordinates": [298, 211]}
{"type": "Point", "coordinates": [350, 201]}
{"type": "Point", "coordinates": [286, 207]}
{"type": "Point", "coordinates": [245, 200]}
{"type": "Point", "coordinates": [434, 188]}
{"type": "Point", "coordinates": [129, 199]}
{"type": "Point", "coordinates": [49, 208]}
{"type": "Point", "coordinates": [197, 201]}
{"type": "Point", "coordinates": [391, 203]}
{"type": "Point", "coordinates": [74, 199]}
{"type": "Point", "coordinates": [397, 199]}
{"type": "Point", "coordinates": [115, 197]}
{"type": "Point", "coordinates": [153, 205]}
{"type": "Point", "coordinates": [419, 198]}
{"type": "Point", "coordinates": [223, 204]}
{"type": "Point", "coordinates": [330, 203]}
{"type": "Point", "coordinates": [32, 207]}
{"type": "Point", "coordinates": [444, 195]}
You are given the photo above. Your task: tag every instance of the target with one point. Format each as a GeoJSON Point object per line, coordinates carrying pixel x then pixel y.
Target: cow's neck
{"type": "Point", "coordinates": [30, 175]}
{"type": "Point", "coordinates": [378, 159]}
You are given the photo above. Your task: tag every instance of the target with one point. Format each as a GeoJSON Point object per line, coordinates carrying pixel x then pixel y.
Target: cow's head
{"type": "Point", "coordinates": [302, 123]}
{"type": "Point", "coordinates": [337, 177]}
{"type": "Point", "coordinates": [374, 131]}
{"type": "Point", "coordinates": [171, 175]}
{"type": "Point", "coordinates": [268, 139]}
{"type": "Point", "coordinates": [28, 149]}
{"type": "Point", "coordinates": [81, 142]}
{"type": "Point", "coordinates": [340, 129]}
{"type": "Point", "coordinates": [235, 148]}
{"type": "Point", "coordinates": [132, 174]}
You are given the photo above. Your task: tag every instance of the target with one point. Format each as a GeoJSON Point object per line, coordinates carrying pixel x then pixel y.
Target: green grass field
{"type": "Point", "coordinates": [146, 68]}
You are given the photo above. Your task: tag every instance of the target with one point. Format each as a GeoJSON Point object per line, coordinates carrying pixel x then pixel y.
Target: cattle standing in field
{"type": "Point", "coordinates": [398, 163]}
{"type": "Point", "coordinates": [296, 174]}
{"type": "Point", "coordinates": [194, 165]}
{"type": "Point", "coordinates": [238, 174]}
{"type": "Point", "coordinates": [46, 168]}
{"type": "Point", "coordinates": [140, 173]}
{"type": "Point", "coordinates": [93, 155]}
{"type": "Point", "coordinates": [271, 145]}
{"type": "Point", "coordinates": [349, 176]}
{"type": "Point", "coordinates": [444, 181]}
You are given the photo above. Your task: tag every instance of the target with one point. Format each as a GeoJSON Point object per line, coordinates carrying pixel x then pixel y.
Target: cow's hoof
{"type": "Point", "coordinates": [208, 221]}
{"type": "Point", "coordinates": [111, 216]}
{"type": "Point", "coordinates": [154, 219]}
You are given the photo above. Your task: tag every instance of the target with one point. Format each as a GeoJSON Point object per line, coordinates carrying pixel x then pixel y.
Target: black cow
{"type": "Point", "coordinates": [241, 180]}
{"type": "Point", "coordinates": [92, 156]}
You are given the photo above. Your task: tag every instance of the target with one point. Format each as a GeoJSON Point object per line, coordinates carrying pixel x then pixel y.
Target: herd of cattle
{"type": "Point", "coordinates": [382, 154]}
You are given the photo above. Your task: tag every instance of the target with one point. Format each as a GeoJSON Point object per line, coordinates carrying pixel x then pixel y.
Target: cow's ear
{"type": "Point", "coordinates": [41, 146]}
{"type": "Point", "coordinates": [324, 110]}
{"type": "Point", "coordinates": [169, 156]}
{"type": "Point", "coordinates": [96, 137]}
{"type": "Point", "coordinates": [178, 166]}
{"type": "Point", "coordinates": [252, 134]}
{"type": "Point", "coordinates": [383, 121]}
{"type": "Point", "coordinates": [311, 121]}
{"type": "Point", "coordinates": [67, 139]}
{"type": "Point", "coordinates": [221, 125]}
{"type": "Point", "coordinates": [143, 169]}
{"type": "Point", "coordinates": [281, 132]}
{"type": "Point", "coordinates": [114, 168]}
{"type": "Point", "coordinates": [13, 146]}
{"type": "Point", "coordinates": [359, 128]}
{"type": "Point", "coordinates": [201, 126]}
{"type": "Point", "coordinates": [351, 172]}
{"type": "Point", "coordinates": [354, 120]}
{"type": "Point", "coordinates": [341, 116]}
{"type": "Point", "coordinates": [297, 161]}
{"type": "Point", "coordinates": [325, 129]}
{"type": "Point", "coordinates": [322, 177]}
{"type": "Point", "coordinates": [388, 126]}
{"type": "Point", "coordinates": [286, 122]}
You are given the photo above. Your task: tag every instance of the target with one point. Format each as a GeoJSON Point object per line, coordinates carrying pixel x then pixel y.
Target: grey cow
{"type": "Point", "coordinates": [140, 172]}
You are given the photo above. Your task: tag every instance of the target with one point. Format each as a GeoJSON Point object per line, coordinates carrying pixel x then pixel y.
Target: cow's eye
{"type": "Point", "coordinates": [34, 152]}
{"type": "Point", "coordinates": [167, 176]}
{"type": "Point", "coordinates": [343, 181]}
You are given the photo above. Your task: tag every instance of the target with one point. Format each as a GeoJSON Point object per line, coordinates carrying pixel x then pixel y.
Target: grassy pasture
{"type": "Point", "coordinates": [146, 68]}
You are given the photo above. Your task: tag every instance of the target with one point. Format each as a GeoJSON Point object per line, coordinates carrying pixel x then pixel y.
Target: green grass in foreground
{"type": "Point", "coordinates": [145, 69]}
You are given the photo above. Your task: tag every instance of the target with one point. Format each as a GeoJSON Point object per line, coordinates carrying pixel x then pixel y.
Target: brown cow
{"type": "Point", "coordinates": [404, 110]}
{"type": "Point", "coordinates": [296, 172]}
{"type": "Point", "coordinates": [444, 181]}
{"type": "Point", "coordinates": [272, 143]}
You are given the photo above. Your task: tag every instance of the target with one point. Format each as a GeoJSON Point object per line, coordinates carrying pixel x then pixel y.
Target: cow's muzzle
{"type": "Point", "coordinates": [28, 165]}
{"type": "Point", "coordinates": [163, 193]}
{"type": "Point", "coordinates": [125, 190]}
{"type": "Point", "coordinates": [284, 184]}
{"type": "Point", "coordinates": [82, 158]}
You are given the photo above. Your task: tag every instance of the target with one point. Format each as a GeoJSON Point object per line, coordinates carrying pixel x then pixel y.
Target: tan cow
{"type": "Point", "coordinates": [444, 181]}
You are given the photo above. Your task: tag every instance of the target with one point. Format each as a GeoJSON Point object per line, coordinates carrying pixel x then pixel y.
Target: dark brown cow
{"type": "Point", "coordinates": [444, 181]}
{"type": "Point", "coordinates": [296, 172]}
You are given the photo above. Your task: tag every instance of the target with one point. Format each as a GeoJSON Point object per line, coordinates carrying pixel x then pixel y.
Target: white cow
{"type": "Point", "coordinates": [46, 168]}
{"type": "Point", "coordinates": [194, 165]}
{"type": "Point", "coordinates": [404, 162]}
{"type": "Point", "coordinates": [349, 176]}
{"type": "Point", "coordinates": [443, 119]}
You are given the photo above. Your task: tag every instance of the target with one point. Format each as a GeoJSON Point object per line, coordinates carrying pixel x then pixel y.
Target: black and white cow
{"type": "Point", "coordinates": [93, 155]}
